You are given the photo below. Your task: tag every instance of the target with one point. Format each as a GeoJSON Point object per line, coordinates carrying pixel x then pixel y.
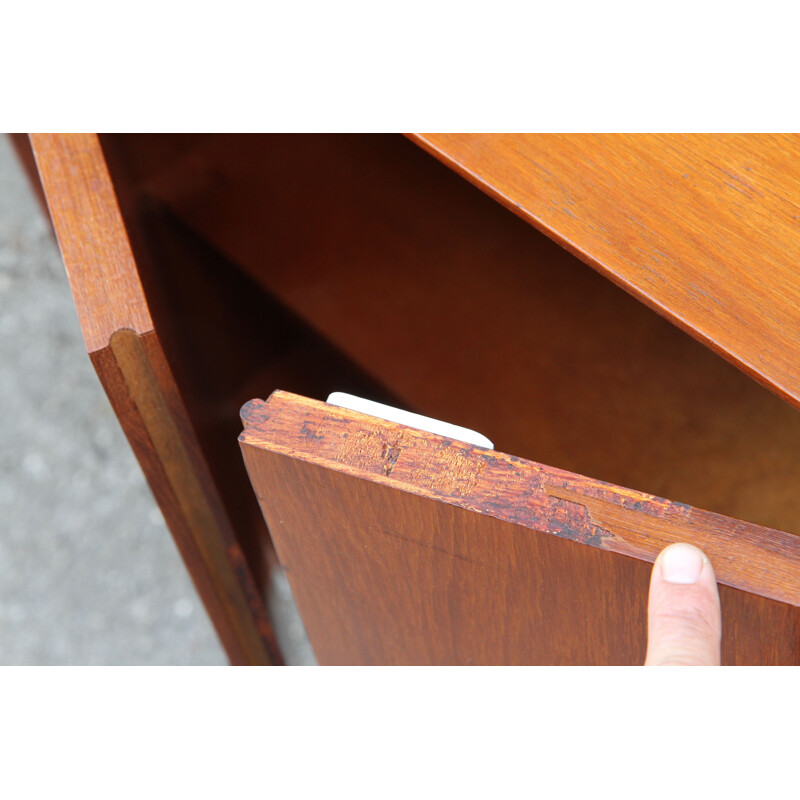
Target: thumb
{"type": "Point", "coordinates": [684, 624]}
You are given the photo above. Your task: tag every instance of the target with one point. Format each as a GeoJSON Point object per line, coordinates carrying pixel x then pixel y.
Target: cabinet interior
{"type": "Point", "coordinates": [316, 263]}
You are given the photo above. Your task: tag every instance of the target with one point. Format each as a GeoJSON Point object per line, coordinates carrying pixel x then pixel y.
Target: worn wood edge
{"type": "Point", "coordinates": [587, 258]}
{"type": "Point", "coordinates": [91, 236]}
{"type": "Point", "coordinates": [214, 559]}
{"type": "Point", "coordinates": [745, 556]}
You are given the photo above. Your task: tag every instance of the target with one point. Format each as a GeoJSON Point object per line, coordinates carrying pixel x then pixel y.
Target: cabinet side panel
{"type": "Point", "coordinates": [139, 385]}
{"type": "Point", "coordinates": [91, 236]}
{"type": "Point", "coordinates": [124, 348]}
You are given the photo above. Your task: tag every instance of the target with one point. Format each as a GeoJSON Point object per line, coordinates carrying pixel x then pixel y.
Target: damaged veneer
{"type": "Point", "coordinates": [330, 479]}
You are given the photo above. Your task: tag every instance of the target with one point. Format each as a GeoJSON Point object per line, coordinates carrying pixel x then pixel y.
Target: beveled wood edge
{"type": "Point", "coordinates": [124, 348]}
{"type": "Point", "coordinates": [139, 384]}
{"type": "Point", "coordinates": [92, 236]}
{"type": "Point", "coordinates": [745, 556]}
{"type": "Point", "coordinates": [750, 369]}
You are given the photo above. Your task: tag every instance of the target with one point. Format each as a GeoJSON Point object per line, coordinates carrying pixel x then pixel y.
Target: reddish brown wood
{"type": "Point", "coordinates": [130, 362]}
{"type": "Point", "coordinates": [225, 338]}
{"type": "Point", "coordinates": [405, 547]}
{"type": "Point", "coordinates": [424, 289]}
{"type": "Point", "coordinates": [466, 313]}
{"type": "Point", "coordinates": [91, 234]}
{"type": "Point", "coordinates": [704, 228]}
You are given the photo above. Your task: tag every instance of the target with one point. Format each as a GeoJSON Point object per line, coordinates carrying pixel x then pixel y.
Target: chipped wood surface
{"type": "Point", "coordinates": [704, 228]}
{"type": "Point", "coordinates": [406, 547]}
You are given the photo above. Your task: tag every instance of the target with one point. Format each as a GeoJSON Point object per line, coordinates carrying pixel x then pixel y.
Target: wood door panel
{"type": "Point", "coordinates": [403, 547]}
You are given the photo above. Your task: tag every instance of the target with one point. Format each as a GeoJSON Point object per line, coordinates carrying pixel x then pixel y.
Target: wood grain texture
{"type": "Point", "coordinates": [130, 362]}
{"type": "Point", "coordinates": [225, 337]}
{"type": "Point", "coordinates": [469, 314]}
{"type": "Point", "coordinates": [405, 547]}
{"type": "Point", "coordinates": [91, 234]}
{"type": "Point", "coordinates": [156, 423]}
{"type": "Point", "coordinates": [703, 228]}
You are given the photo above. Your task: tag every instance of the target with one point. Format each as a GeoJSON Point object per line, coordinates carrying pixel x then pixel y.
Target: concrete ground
{"type": "Point", "coordinates": [88, 570]}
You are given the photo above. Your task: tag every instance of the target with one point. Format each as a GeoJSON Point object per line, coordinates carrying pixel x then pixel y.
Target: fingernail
{"type": "Point", "coordinates": [681, 563]}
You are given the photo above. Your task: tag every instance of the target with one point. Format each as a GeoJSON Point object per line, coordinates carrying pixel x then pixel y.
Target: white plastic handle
{"type": "Point", "coordinates": [392, 414]}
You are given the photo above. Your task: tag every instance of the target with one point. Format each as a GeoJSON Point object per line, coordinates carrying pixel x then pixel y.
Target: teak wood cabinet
{"type": "Point", "coordinates": [625, 308]}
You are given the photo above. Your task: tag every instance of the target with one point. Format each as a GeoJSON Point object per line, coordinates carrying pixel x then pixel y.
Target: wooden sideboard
{"type": "Point", "coordinates": [618, 307]}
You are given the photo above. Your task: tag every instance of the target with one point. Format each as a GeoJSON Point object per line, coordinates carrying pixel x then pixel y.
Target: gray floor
{"type": "Point", "coordinates": [88, 571]}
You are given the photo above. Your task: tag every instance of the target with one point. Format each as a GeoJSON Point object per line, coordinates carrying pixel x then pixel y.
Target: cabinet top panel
{"type": "Point", "coordinates": [704, 228]}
